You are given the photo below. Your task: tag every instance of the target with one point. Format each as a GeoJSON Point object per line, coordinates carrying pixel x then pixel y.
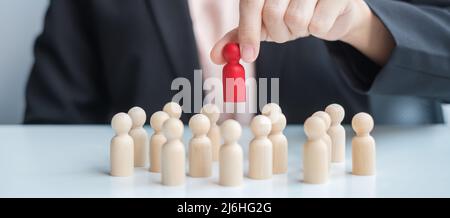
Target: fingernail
{"type": "Point", "coordinates": [247, 52]}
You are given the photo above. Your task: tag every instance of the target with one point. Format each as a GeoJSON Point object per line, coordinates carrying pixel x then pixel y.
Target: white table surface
{"type": "Point", "coordinates": [73, 161]}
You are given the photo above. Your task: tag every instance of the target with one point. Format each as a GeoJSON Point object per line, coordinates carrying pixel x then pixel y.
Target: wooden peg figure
{"type": "Point", "coordinates": [231, 157]}
{"type": "Point", "coordinates": [139, 135]}
{"type": "Point", "coordinates": [326, 138]}
{"type": "Point", "coordinates": [173, 154]}
{"type": "Point", "coordinates": [336, 132]}
{"type": "Point", "coordinates": [173, 110]}
{"type": "Point", "coordinates": [271, 107]}
{"type": "Point", "coordinates": [200, 148]}
{"type": "Point", "coordinates": [213, 113]}
{"type": "Point", "coordinates": [233, 75]}
{"type": "Point", "coordinates": [157, 140]}
{"type": "Point", "coordinates": [272, 111]}
{"type": "Point", "coordinates": [122, 146]}
{"type": "Point", "coordinates": [280, 145]}
{"type": "Point", "coordinates": [315, 152]}
{"type": "Point", "coordinates": [276, 136]}
{"type": "Point", "coordinates": [260, 149]}
{"type": "Point", "coordinates": [363, 146]}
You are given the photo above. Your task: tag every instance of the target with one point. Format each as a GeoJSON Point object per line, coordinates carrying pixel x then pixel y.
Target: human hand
{"type": "Point", "coordinates": [285, 20]}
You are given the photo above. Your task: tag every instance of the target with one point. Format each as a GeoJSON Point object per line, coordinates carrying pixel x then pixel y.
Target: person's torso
{"type": "Point", "coordinates": [144, 45]}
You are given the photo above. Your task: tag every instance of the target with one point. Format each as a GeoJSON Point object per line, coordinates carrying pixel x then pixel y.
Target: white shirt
{"type": "Point", "coordinates": [212, 19]}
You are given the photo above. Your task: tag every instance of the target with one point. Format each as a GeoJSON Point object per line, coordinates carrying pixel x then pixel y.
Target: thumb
{"type": "Point", "coordinates": [216, 52]}
{"type": "Point", "coordinates": [232, 36]}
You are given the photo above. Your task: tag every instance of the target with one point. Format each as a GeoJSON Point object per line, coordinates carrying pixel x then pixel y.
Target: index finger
{"type": "Point", "coordinates": [249, 30]}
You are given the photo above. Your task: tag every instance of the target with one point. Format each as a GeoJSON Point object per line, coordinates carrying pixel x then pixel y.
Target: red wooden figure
{"type": "Point", "coordinates": [233, 75]}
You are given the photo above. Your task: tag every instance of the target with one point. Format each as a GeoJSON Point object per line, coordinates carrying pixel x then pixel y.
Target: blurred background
{"type": "Point", "coordinates": [20, 22]}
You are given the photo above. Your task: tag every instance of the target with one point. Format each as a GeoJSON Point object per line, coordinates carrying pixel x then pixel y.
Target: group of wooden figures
{"type": "Point", "coordinates": [326, 144]}
{"type": "Point", "coordinates": [268, 150]}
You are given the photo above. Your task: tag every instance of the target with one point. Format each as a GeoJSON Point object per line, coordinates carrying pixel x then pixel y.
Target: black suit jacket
{"type": "Point", "coordinates": [99, 57]}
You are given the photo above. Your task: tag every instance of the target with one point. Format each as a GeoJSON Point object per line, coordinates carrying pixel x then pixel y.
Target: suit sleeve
{"type": "Point", "coordinates": [65, 84]}
{"type": "Point", "coordinates": [420, 62]}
